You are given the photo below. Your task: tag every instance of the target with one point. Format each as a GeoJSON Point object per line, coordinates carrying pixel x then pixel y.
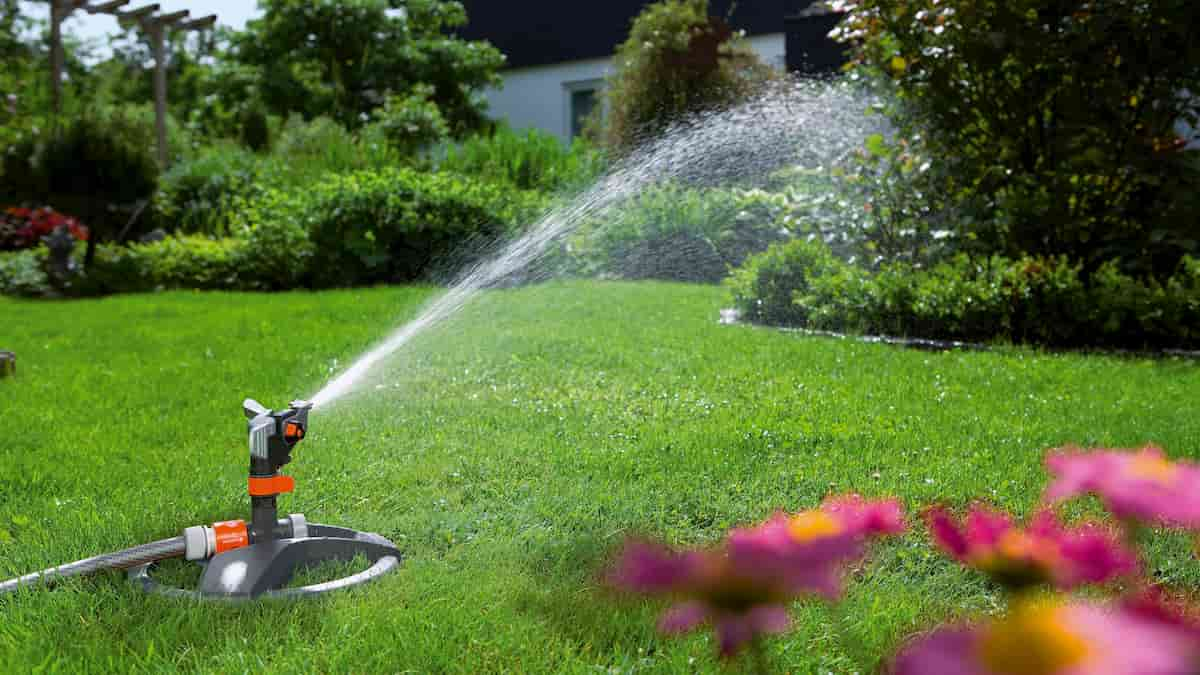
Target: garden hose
{"type": "Point", "coordinates": [130, 557]}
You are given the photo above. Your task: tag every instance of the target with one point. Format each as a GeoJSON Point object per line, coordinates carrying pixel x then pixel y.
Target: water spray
{"type": "Point", "coordinates": [247, 560]}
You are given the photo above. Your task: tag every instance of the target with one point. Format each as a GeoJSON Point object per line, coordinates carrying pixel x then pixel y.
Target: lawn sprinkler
{"type": "Point", "coordinates": [252, 560]}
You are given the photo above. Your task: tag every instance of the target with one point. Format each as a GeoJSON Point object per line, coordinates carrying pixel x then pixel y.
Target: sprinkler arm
{"type": "Point", "coordinates": [273, 435]}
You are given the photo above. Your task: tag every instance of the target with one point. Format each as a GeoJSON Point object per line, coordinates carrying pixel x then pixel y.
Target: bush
{"type": "Point", "coordinates": [88, 169]}
{"type": "Point", "coordinates": [380, 226]}
{"type": "Point", "coordinates": [1056, 121]}
{"type": "Point", "coordinates": [676, 61]}
{"type": "Point", "coordinates": [277, 253]}
{"type": "Point", "coordinates": [1043, 301]}
{"type": "Point", "coordinates": [306, 152]}
{"type": "Point", "coordinates": [175, 262]}
{"type": "Point", "coordinates": [532, 160]}
{"type": "Point", "coordinates": [676, 233]}
{"type": "Point", "coordinates": [411, 123]}
{"type": "Point", "coordinates": [23, 274]}
{"type": "Point", "coordinates": [254, 129]}
{"type": "Point", "coordinates": [195, 196]}
{"type": "Point", "coordinates": [767, 287]}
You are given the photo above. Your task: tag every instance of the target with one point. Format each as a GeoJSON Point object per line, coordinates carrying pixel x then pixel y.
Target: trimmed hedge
{"type": "Point", "coordinates": [1044, 301]}
{"type": "Point", "coordinates": [395, 224]}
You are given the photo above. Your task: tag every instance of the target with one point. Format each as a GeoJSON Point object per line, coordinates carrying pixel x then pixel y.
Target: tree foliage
{"type": "Point", "coordinates": [1057, 117]}
{"type": "Point", "coordinates": [677, 60]}
{"type": "Point", "coordinates": [344, 58]}
{"type": "Point", "coordinates": [90, 168]}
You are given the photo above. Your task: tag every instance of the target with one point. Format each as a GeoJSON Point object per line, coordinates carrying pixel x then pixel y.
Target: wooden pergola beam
{"type": "Point", "coordinates": [106, 7]}
{"type": "Point", "coordinates": [136, 14]}
{"type": "Point", "coordinates": [198, 24]}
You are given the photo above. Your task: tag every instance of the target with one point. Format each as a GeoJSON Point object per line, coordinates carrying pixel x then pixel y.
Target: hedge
{"type": "Point", "coordinates": [1043, 301]}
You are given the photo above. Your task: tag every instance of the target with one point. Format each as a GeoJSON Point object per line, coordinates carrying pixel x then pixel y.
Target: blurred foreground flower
{"type": "Point", "coordinates": [1049, 638]}
{"type": "Point", "coordinates": [743, 586]}
{"type": "Point", "coordinates": [1045, 552]}
{"type": "Point", "coordinates": [1139, 485]}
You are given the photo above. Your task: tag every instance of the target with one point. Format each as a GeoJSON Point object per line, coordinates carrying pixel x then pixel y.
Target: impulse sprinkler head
{"type": "Point", "coordinates": [259, 557]}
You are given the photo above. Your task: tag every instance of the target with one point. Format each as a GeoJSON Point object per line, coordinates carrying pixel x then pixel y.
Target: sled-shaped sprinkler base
{"type": "Point", "coordinates": [262, 570]}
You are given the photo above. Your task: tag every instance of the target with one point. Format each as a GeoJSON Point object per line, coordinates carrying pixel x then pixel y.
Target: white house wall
{"type": "Point", "coordinates": [539, 96]}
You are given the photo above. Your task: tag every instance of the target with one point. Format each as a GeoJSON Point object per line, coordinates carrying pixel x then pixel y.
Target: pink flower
{"type": "Point", "coordinates": [1141, 484]}
{"type": "Point", "coordinates": [1055, 639]}
{"type": "Point", "coordinates": [743, 585]}
{"type": "Point", "coordinates": [1045, 552]}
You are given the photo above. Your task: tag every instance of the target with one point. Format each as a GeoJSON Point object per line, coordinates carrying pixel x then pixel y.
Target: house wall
{"type": "Point", "coordinates": [540, 96]}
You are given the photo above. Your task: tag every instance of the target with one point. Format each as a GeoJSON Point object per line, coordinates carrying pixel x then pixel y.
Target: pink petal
{"type": "Point", "coordinates": [646, 567]}
{"type": "Point", "coordinates": [946, 651]}
{"type": "Point", "coordinates": [683, 617]}
{"type": "Point", "coordinates": [986, 526]}
{"type": "Point", "coordinates": [946, 533]}
{"type": "Point", "coordinates": [770, 619]}
{"type": "Point", "coordinates": [733, 632]}
{"type": "Point", "coordinates": [1096, 556]}
{"type": "Point", "coordinates": [863, 517]}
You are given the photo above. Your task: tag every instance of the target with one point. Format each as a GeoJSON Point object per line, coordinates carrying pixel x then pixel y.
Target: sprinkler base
{"type": "Point", "coordinates": [262, 570]}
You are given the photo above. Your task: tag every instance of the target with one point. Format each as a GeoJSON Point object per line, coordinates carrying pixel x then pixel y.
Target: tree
{"type": "Point", "coordinates": [92, 168]}
{"type": "Point", "coordinates": [677, 60]}
{"type": "Point", "coordinates": [344, 58]}
{"type": "Point", "coordinates": [1056, 117]}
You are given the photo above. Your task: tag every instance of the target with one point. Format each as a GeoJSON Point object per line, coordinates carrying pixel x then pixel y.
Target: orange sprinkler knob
{"type": "Point", "coordinates": [293, 432]}
{"type": "Point", "coordinates": [265, 487]}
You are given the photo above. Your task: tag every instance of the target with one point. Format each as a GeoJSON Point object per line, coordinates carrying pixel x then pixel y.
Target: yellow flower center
{"type": "Point", "coordinates": [811, 525]}
{"type": "Point", "coordinates": [1032, 640]}
{"type": "Point", "coordinates": [1152, 468]}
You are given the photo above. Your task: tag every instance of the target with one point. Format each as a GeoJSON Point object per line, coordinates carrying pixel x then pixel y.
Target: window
{"type": "Point", "coordinates": [583, 102]}
{"type": "Point", "coordinates": [582, 97]}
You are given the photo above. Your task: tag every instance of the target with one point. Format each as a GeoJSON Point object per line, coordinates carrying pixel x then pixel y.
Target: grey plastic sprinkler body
{"type": "Point", "coordinates": [251, 561]}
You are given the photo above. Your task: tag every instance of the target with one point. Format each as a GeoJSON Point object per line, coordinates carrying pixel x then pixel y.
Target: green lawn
{"type": "Point", "coordinates": [506, 453]}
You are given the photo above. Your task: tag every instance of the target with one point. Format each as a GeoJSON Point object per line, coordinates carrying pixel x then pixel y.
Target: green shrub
{"type": "Point", "coordinates": [305, 152]}
{"type": "Point", "coordinates": [676, 61]}
{"type": "Point", "coordinates": [195, 196]}
{"type": "Point", "coordinates": [1057, 119]}
{"type": "Point", "coordinates": [394, 225]}
{"type": "Point", "coordinates": [277, 253]}
{"type": "Point", "coordinates": [533, 160]}
{"type": "Point", "coordinates": [1036, 301]}
{"type": "Point", "coordinates": [411, 123]}
{"type": "Point", "coordinates": [89, 169]}
{"type": "Point", "coordinates": [767, 287]}
{"type": "Point", "coordinates": [22, 273]}
{"type": "Point", "coordinates": [175, 262]}
{"type": "Point", "coordinates": [254, 129]}
{"type": "Point", "coordinates": [676, 233]}
{"type": "Point", "coordinates": [372, 226]}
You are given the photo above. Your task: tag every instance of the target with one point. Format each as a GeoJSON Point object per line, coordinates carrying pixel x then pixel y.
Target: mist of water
{"type": "Point", "coordinates": [802, 124]}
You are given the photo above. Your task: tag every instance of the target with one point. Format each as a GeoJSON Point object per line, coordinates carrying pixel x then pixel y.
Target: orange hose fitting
{"type": "Point", "coordinates": [230, 534]}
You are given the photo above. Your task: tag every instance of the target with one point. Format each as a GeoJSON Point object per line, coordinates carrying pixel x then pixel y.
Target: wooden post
{"type": "Point", "coordinates": [57, 16]}
{"type": "Point", "coordinates": [158, 38]}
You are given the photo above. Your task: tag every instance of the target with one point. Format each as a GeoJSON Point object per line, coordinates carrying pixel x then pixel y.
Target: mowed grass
{"type": "Point", "coordinates": [507, 453]}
